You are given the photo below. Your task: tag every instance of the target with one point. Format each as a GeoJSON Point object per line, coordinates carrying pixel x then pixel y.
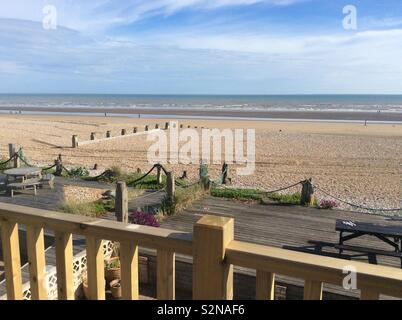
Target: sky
{"type": "Point", "coordinates": [201, 46]}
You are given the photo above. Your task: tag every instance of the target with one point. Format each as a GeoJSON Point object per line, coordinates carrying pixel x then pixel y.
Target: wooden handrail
{"type": "Point", "coordinates": [314, 269]}
{"type": "Point", "coordinates": [149, 237]}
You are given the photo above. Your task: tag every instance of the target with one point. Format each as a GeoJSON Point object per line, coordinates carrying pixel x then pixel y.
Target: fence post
{"type": "Point", "coordinates": [108, 134]}
{"type": "Point", "coordinates": [146, 128]}
{"type": "Point", "coordinates": [121, 202]}
{"type": "Point", "coordinates": [307, 194]}
{"type": "Point", "coordinates": [158, 174]}
{"type": "Point", "coordinates": [93, 136]}
{"type": "Point", "coordinates": [170, 186]}
{"type": "Point", "coordinates": [225, 170]}
{"type": "Point", "coordinates": [166, 125]}
{"type": "Point", "coordinates": [135, 130]}
{"type": "Point", "coordinates": [205, 183]}
{"type": "Point", "coordinates": [13, 153]}
{"type": "Point", "coordinates": [59, 166]}
{"type": "Point", "coordinates": [75, 141]}
{"type": "Point", "coordinates": [212, 275]}
{"type": "Point", "coordinates": [157, 126]}
{"type": "Point", "coordinates": [123, 132]}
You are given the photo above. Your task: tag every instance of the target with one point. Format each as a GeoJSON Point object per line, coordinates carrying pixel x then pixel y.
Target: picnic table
{"type": "Point", "coordinates": [391, 235]}
{"type": "Point", "coordinates": [22, 178]}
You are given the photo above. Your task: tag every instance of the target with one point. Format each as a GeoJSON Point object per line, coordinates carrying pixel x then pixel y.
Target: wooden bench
{"type": "Point", "coordinates": [21, 185]}
{"type": "Point", "coordinates": [372, 253]}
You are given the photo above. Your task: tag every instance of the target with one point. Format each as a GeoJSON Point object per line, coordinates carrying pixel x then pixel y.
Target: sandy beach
{"type": "Point", "coordinates": [358, 163]}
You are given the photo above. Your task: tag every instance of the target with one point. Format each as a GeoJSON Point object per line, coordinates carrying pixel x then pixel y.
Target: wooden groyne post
{"type": "Point", "coordinates": [75, 141]}
{"type": "Point", "coordinates": [307, 194]}
{"type": "Point", "coordinates": [135, 130]}
{"type": "Point", "coordinates": [93, 136]}
{"type": "Point", "coordinates": [166, 125]}
{"type": "Point", "coordinates": [121, 202]}
{"type": "Point", "coordinates": [146, 128]}
{"type": "Point", "coordinates": [123, 132]}
{"type": "Point", "coordinates": [108, 134]}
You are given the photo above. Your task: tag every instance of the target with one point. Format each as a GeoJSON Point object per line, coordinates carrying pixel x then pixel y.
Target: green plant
{"type": "Point", "coordinates": [184, 197]}
{"type": "Point", "coordinates": [113, 264]}
{"type": "Point", "coordinates": [79, 172]}
{"type": "Point", "coordinates": [292, 198]}
{"type": "Point", "coordinates": [90, 209]}
{"type": "Point", "coordinates": [237, 193]}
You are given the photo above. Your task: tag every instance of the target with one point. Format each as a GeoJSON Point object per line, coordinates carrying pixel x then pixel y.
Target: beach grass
{"type": "Point", "coordinates": [183, 198]}
{"type": "Point", "coordinates": [89, 209]}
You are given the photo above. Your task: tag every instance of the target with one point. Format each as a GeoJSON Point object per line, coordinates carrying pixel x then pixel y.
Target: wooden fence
{"type": "Point", "coordinates": [211, 245]}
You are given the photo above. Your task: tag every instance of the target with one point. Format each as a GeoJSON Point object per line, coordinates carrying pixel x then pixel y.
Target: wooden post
{"type": "Point", "coordinates": [129, 270]}
{"type": "Point", "coordinates": [146, 128]}
{"type": "Point", "coordinates": [206, 183]}
{"type": "Point", "coordinates": [188, 127]}
{"type": "Point", "coordinates": [225, 170]}
{"type": "Point", "coordinates": [37, 264]}
{"type": "Point", "coordinates": [123, 132]}
{"type": "Point", "coordinates": [75, 141]}
{"type": "Point", "coordinates": [157, 126]}
{"type": "Point", "coordinates": [166, 125]}
{"type": "Point", "coordinates": [12, 152]}
{"type": "Point", "coordinates": [135, 130]}
{"type": "Point", "coordinates": [158, 174]}
{"type": "Point", "coordinates": [265, 285]}
{"type": "Point", "coordinates": [59, 166]}
{"type": "Point", "coordinates": [312, 290]}
{"type": "Point", "coordinates": [121, 202]}
{"type": "Point", "coordinates": [181, 126]}
{"type": "Point", "coordinates": [11, 257]}
{"type": "Point", "coordinates": [64, 265]}
{"type": "Point", "coordinates": [165, 275]}
{"type": "Point", "coordinates": [212, 275]}
{"type": "Point", "coordinates": [108, 134]}
{"type": "Point", "coordinates": [93, 136]}
{"type": "Point", "coordinates": [170, 186]}
{"type": "Point", "coordinates": [95, 268]}
{"type": "Point", "coordinates": [307, 194]}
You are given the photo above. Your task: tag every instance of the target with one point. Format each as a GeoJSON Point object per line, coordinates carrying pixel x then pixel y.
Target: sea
{"type": "Point", "coordinates": [343, 103]}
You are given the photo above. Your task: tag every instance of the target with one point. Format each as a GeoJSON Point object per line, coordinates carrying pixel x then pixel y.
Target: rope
{"type": "Point", "coordinates": [150, 194]}
{"type": "Point", "coordinates": [143, 177]}
{"type": "Point", "coordinates": [7, 161]}
{"type": "Point", "coordinates": [356, 205]}
{"type": "Point", "coordinates": [284, 188]}
{"type": "Point", "coordinates": [48, 168]}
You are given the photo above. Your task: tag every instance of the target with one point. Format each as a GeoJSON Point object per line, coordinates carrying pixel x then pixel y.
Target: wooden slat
{"type": "Point", "coordinates": [95, 269]}
{"type": "Point", "coordinates": [312, 290]}
{"type": "Point", "coordinates": [165, 275]}
{"type": "Point", "coordinates": [368, 293]}
{"type": "Point", "coordinates": [129, 271]}
{"type": "Point", "coordinates": [12, 261]}
{"type": "Point", "coordinates": [265, 285]}
{"type": "Point", "coordinates": [64, 265]}
{"type": "Point", "coordinates": [37, 263]}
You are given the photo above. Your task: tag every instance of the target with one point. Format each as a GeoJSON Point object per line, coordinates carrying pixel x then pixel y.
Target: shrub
{"type": "Point", "coordinates": [239, 194]}
{"type": "Point", "coordinates": [292, 198]}
{"type": "Point", "coordinates": [144, 219]}
{"type": "Point", "coordinates": [79, 172]}
{"type": "Point", "coordinates": [90, 209]}
{"type": "Point", "coordinates": [328, 204]}
{"type": "Point", "coordinates": [183, 198]}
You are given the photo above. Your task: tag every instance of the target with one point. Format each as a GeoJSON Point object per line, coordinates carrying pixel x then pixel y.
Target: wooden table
{"type": "Point", "coordinates": [391, 235]}
{"type": "Point", "coordinates": [23, 174]}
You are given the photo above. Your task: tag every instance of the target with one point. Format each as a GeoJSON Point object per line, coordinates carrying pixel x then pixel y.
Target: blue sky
{"type": "Point", "coordinates": [201, 47]}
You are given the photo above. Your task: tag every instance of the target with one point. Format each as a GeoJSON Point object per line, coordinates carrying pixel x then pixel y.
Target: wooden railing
{"type": "Point", "coordinates": [211, 245]}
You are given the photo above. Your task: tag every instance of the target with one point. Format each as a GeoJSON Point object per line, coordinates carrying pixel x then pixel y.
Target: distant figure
{"type": "Point", "coordinates": [365, 123]}
{"type": "Point", "coordinates": [105, 114]}
{"type": "Point", "coordinates": [139, 116]}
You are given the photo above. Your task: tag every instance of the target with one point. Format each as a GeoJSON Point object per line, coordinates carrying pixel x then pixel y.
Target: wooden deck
{"type": "Point", "coordinates": [289, 227]}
